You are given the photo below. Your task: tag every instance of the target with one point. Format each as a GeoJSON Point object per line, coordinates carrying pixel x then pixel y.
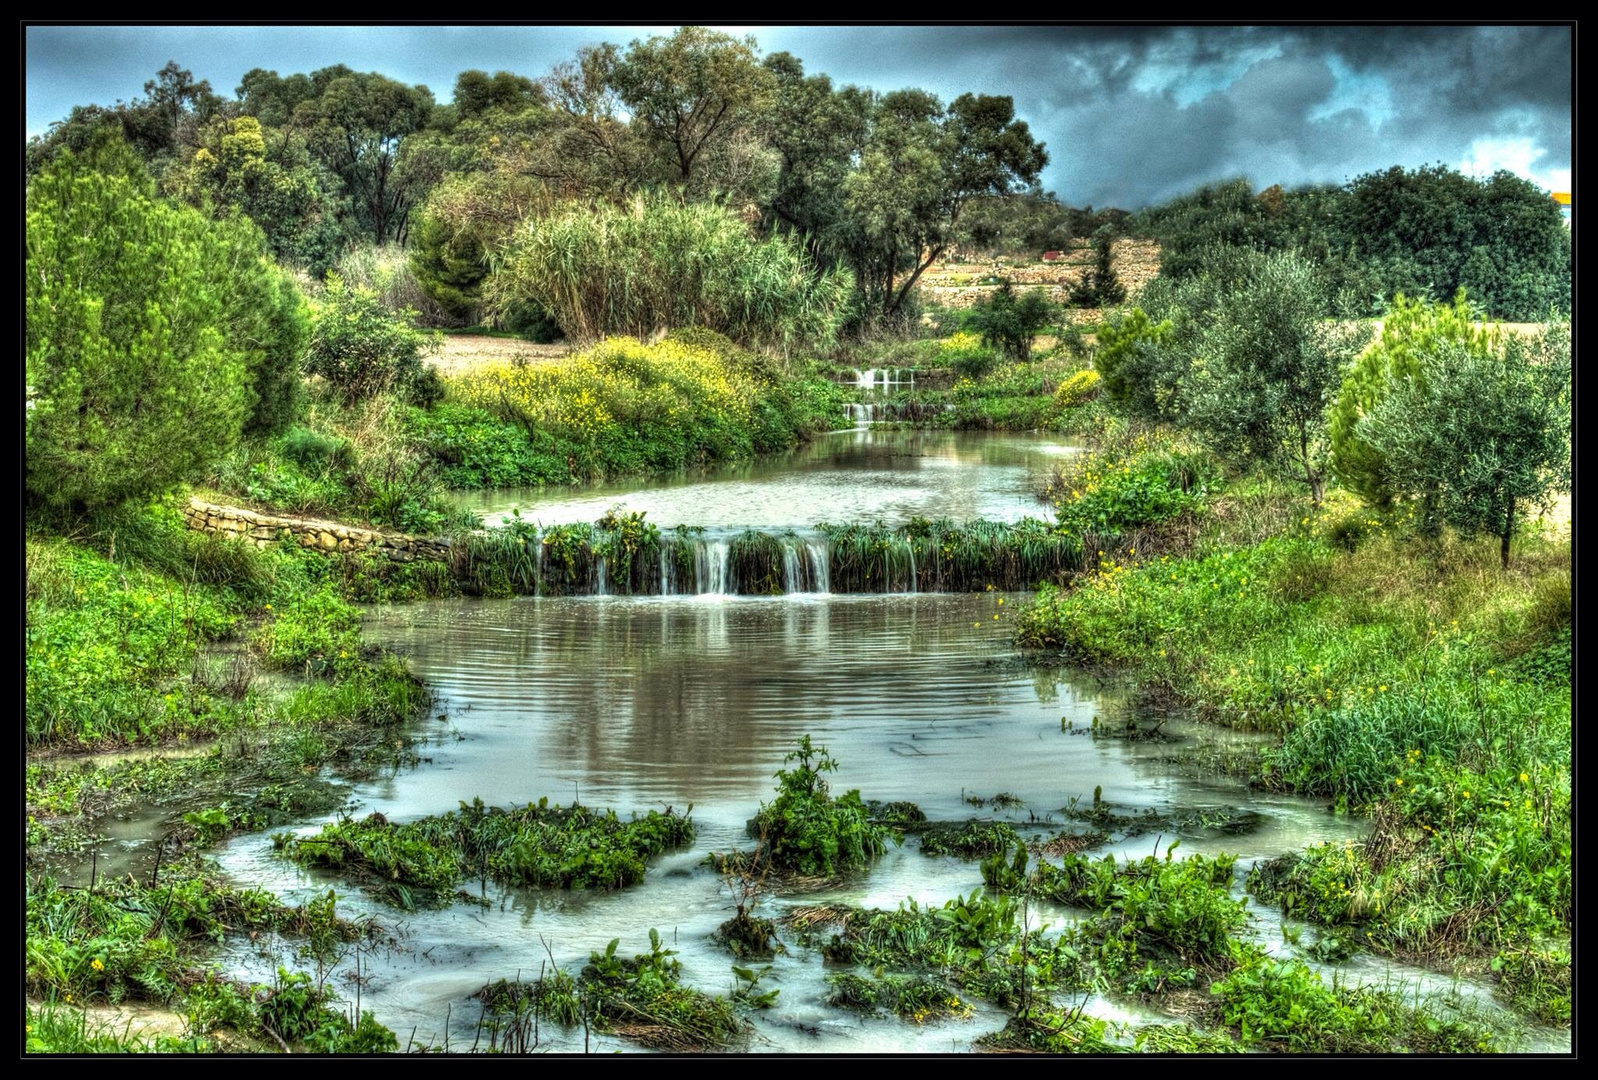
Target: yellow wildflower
{"type": "Point", "coordinates": [96, 964]}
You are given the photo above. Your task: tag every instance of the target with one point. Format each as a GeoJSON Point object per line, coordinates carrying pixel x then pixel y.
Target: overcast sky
{"type": "Point", "coordinates": [1130, 115]}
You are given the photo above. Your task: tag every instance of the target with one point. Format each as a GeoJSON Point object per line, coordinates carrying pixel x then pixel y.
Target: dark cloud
{"type": "Point", "coordinates": [1130, 114]}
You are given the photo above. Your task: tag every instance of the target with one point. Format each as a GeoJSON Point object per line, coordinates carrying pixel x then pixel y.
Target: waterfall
{"type": "Point", "coordinates": [718, 579]}
{"type": "Point", "coordinates": [791, 581]}
{"type": "Point", "coordinates": [820, 564]}
{"type": "Point", "coordinates": [599, 577]}
{"type": "Point", "coordinates": [538, 562]}
{"type": "Point", "coordinates": [667, 551]}
{"type": "Point", "coordinates": [910, 546]}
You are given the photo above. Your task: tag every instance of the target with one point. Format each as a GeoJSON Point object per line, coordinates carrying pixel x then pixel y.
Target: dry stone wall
{"type": "Point", "coordinates": [329, 536]}
{"type": "Point", "coordinates": [1136, 263]}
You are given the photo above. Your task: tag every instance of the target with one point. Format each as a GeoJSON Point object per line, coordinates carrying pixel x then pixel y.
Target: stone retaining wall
{"type": "Point", "coordinates": [329, 536]}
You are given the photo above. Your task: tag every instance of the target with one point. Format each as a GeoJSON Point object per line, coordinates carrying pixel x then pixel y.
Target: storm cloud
{"type": "Point", "coordinates": [1130, 115]}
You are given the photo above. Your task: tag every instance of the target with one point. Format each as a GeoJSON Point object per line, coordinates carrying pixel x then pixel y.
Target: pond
{"type": "Point", "coordinates": [649, 702]}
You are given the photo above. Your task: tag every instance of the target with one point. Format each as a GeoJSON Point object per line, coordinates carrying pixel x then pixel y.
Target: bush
{"type": "Point", "coordinates": [658, 264]}
{"type": "Point", "coordinates": [362, 349]}
{"type": "Point", "coordinates": [135, 338]}
{"type": "Point", "coordinates": [1078, 389]}
{"type": "Point", "coordinates": [1477, 437]}
{"type": "Point", "coordinates": [1410, 330]}
{"type": "Point", "coordinates": [1009, 323]}
{"type": "Point", "coordinates": [804, 830]}
{"type": "Point", "coordinates": [625, 407]}
{"type": "Point", "coordinates": [968, 355]}
{"type": "Point", "coordinates": [1140, 373]}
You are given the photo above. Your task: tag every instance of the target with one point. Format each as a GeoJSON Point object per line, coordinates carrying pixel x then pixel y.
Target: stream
{"type": "Point", "coordinates": [663, 701]}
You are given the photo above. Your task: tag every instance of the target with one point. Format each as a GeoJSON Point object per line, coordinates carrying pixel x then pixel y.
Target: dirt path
{"type": "Point", "coordinates": [463, 354]}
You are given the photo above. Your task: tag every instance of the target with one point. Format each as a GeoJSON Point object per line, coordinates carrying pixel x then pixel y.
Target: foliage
{"type": "Point", "coordinates": [1113, 491]}
{"type": "Point", "coordinates": [1462, 860]}
{"type": "Point", "coordinates": [420, 862]}
{"type": "Point", "coordinates": [362, 349]}
{"type": "Point", "coordinates": [656, 264]}
{"type": "Point", "coordinates": [1158, 920]}
{"type": "Point", "coordinates": [967, 354]}
{"type": "Point", "coordinates": [1009, 323]}
{"type": "Point", "coordinates": [1410, 330]}
{"type": "Point", "coordinates": [1424, 232]}
{"type": "Point", "coordinates": [644, 998]}
{"type": "Point", "coordinates": [806, 830]}
{"type": "Point", "coordinates": [1484, 435]}
{"type": "Point", "coordinates": [139, 337]}
{"type": "Point", "coordinates": [1283, 1005]}
{"type": "Point", "coordinates": [1078, 389]}
{"type": "Point", "coordinates": [696, 100]}
{"type": "Point", "coordinates": [1100, 286]}
{"type": "Point", "coordinates": [622, 407]}
{"type": "Point", "coordinates": [1267, 367]}
{"type": "Point", "coordinates": [1135, 366]}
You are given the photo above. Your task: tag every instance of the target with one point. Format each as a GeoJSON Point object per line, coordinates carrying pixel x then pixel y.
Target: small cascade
{"type": "Point", "coordinates": [820, 560]}
{"type": "Point", "coordinates": [791, 580]}
{"type": "Point", "coordinates": [693, 562]}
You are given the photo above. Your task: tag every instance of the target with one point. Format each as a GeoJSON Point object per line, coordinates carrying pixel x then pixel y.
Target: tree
{"type": "Point", "coordinates": [1100, 286]}
{"type": "Point", "coordinates": [1266, 366]}
{"type": "Point", "coordinates": [693, 96]}
{"type": "Point", "coordinates": [135, 368]}
{"type": "Point", "coordinates": [1132, 356]}
{"type": "Point", "coordinates": [232, 172]}
{"type": "Point", "coordinates": [363, 349]}
{"type": "Point", "coordinates": [1410, 330]}
{"type": "Point", "coordinates": [357, 125]}
{"type": "Point", "coordinates": [1487, 432]}
{"type": "Point", "coordinates": [921, 166]}
{"type": "Point", "coordinates": [1009, 323]}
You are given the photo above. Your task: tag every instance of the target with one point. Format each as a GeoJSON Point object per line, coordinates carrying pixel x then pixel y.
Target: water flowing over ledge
{"type": "Point", "coordinates": [623, 555]}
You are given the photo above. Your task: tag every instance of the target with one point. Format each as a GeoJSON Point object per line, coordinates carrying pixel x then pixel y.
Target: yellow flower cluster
{"type": "Point", "coordinates": [620, 379]}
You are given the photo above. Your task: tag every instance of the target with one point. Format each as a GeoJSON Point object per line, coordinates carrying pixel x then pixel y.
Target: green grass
{"type": "Point", "coordinates": [1409, 678]}
{"type": "Point", "coordinates": [422, 862]}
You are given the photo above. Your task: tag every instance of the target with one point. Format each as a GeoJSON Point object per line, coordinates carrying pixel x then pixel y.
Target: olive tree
{"type": "Point", "coordinates": [1266, 364]}
{"type": "Point", "coordinates": [1485, 434]}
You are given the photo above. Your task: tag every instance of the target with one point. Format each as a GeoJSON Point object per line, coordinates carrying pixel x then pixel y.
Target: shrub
{"type": "Point", "coordinates": [1078, 389]}
{"type": "Point", "coordinates": [135, 337]}
{"type": "Point", "coordinates": [363, 349]}
{"type": "Point", "coordinates": [805, 830]}
{"type": "Point", "coordinates": [1478, 437]}
{"type": "Point", "coordinates": [1009, 323]}
{"type": "Point", "coordinates": [658, 264]}
{"type": "Point", "coordinates": [1132, 355]}
{"type": "Point", "coordinates": [1410, 329]}
{"type": "Point", "coordinates": [967, 354]}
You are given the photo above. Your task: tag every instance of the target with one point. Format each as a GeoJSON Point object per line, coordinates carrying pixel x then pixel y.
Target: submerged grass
{"type": "Point", "coordinates": [422, 862]}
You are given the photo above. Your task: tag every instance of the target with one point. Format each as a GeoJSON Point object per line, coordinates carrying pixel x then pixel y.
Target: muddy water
{"type": "Point", "coordinates": [650, 702]}
{"type": "Point", "coordinates": [863, 474]}
{"type": "Point", "coordinates": [667, 701]}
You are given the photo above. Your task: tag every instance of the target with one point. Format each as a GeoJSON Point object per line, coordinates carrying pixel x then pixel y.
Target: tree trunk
{"type": "Point", "coordinates": [1317, 487]}
{"type": "Point", "coordinates": [1509, 528]}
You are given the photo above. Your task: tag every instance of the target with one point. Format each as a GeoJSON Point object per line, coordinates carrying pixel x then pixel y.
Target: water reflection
{"type": "Point", "coordinates": [861, 474]}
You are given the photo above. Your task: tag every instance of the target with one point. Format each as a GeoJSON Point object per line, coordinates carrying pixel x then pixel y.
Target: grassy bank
{"type": "Point", "coordinates": [1410, 679]}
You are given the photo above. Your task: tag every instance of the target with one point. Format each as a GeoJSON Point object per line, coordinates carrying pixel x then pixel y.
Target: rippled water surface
{"type": "Point", "coordinates": [667, 701]}
{"type": "Point", "coordinates": [858, 474]}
